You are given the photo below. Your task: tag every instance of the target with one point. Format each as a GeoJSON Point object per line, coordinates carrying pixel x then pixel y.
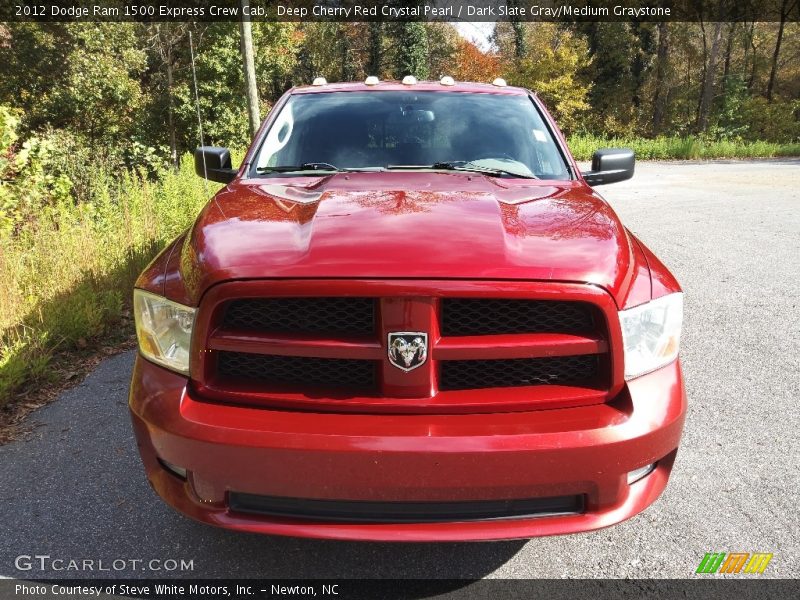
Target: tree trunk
{"type": "Point", "coordinates": [728, 51]}
{"type": "Point", "coordinates": [708, 83]}
{"type": "Point", "coordinates": [660, 99]}
{"type": "Point", "coordinates": [705, 70]}
{"type": "Point", "coordinates": [164, 39]}
{"type": "Point", "coordinates": [348, 70]}
{"type": "Point", "coordinates": [751, 80]}
{"type": "Point", "coordinates": [173, 143]}
{"type": "Point", "coordinates": [246, 29]}
{"type": "Point", "coordinates": [773, 71]}
{"type": "Point", "coordinates": [375, 58]}
{"type": "Point", "coordinates": [746, 51]}
{"type": "Point", "coordinates": [520, 47]}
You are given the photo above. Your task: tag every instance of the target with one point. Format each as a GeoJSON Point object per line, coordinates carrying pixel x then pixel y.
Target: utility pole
{"type": "Point", "coordinates": [246, 29]}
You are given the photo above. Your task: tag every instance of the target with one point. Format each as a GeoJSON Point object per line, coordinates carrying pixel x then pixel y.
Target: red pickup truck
{"type": "Point", "coordinates": [408, 316]}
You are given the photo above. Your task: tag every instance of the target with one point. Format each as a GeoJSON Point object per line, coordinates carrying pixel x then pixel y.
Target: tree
{"type": "Point", "coordinates": [121, 93]}
{"type": "Point", "coordinates": [726, 69]}
{"type": "Point", "coordinates": [375, 48]}
{"type": "Point", "coordinates": [520, 47]}
{"type": "Point", "coordinates": [165, 40]}
{"type": "Point", "coordinates": [276, 49]}
{"type": "Point", "coordinates": [661, 85]}
{"type": "Point", "coordinates": [249, 69]}
{"type": "Point", "coordinates": [220, 80]}
{"type": "Point", "coordinates": [85, 77]}
{"type": "Point", "coordinates": [616, 72]}
{"type": "Point", "coordinates": [786, 9]}
{"type": "Point", "coordinates": [552, 68]}
{"type": "Point", "coordinates": [709, 78]}
{"type": "Point", "coordinates": [346, 52]}
{"type": "Point", "coordinates": [443, 43]}
{"type": "Point", "coordinates": [101, 96]}
{"type": "Point", "coordinates": [471, 64]}
{"type": "Point", "coordinates": [410, 50]}
{"type": "Point", "coordinates": [326, 50]}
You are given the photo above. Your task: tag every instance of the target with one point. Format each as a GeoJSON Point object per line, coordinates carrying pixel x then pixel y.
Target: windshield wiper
{"type": "Point", "coordinates": [463, 165]}
{"type": "Point", "coordinates": [309, 166]}
{"type": "Point", "coordinates": [466, 165]}
{"type": "Point", "coordinates": [318, 166]}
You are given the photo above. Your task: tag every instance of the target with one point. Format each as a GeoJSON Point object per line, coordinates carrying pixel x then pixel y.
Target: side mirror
{"type": "Point", "coordinates": [214, 163]}
{"type": "Point", "coordinates": [610, 165]}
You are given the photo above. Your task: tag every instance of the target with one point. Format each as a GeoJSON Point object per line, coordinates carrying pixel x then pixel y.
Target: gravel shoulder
{"type": "Point", "coordinates": [729, 230]}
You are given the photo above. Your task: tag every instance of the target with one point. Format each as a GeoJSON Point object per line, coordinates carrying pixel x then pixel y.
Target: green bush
{"type": "Point", "coordinates": [66, 276]}
{"type": "Point", "coordinates": [772, 120]}
{"type": "Point", "coordinates": [28, 183]}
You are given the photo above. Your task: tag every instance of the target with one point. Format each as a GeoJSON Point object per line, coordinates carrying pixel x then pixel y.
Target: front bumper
{"type": "Point", "coordinates": [383, 458]}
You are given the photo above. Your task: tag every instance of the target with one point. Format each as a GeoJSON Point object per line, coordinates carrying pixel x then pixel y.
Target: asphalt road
{"type": "Point", "coordinates": [730, 231]}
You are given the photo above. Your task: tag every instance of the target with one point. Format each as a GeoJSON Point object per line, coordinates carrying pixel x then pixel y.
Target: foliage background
{"type": "Point", "coordinates": [96, 117]}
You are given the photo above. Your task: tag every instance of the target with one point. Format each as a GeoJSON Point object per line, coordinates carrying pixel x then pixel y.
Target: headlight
{"type": "Point", "coordinates": [651, 334]}
{"type": "Point", "coordinates": [164, 329]}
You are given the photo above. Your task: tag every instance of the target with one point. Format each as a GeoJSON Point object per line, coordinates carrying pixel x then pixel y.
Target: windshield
{"type": "Point", "coordinates": [497, 134]}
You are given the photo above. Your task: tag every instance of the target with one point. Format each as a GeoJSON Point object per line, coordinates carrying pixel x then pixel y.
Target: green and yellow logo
{"type": "Point", "coordinates": [734, 562]}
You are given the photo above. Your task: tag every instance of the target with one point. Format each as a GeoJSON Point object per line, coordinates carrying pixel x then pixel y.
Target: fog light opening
{"type": "Point", "coordinates": [174, 469]}
{"type": "Point", "coordinates": [640, 473]}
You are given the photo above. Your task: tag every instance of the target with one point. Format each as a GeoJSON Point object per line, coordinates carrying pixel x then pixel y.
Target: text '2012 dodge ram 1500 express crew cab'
{"type": "Point", "coordinates": [408, 316]}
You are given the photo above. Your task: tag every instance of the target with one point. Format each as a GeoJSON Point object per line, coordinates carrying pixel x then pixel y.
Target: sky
{"type": "Point", "coordinates": [477, 33]}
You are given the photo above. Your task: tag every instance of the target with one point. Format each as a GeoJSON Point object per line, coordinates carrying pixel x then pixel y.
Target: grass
{"type": "Point", "coordinates": [684, 148]}
{"type": "Point", "coordinates": [66, 280]}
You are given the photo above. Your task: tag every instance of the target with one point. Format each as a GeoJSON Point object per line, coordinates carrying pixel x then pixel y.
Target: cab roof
{"type": "Point", "coordinates": [421, 86]}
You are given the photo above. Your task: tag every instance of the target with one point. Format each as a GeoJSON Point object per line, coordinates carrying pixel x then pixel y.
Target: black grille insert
{"type": "Point", "coordinates": [299, 372]}
{"type": "Point", "coordinates": [495, 316]}
{"type": "Point", "coordinates": [355, 511]}
{"type": "Point", "coordinates": [336, 315]}
{"type": "Point", "coordinates": [518, 372]}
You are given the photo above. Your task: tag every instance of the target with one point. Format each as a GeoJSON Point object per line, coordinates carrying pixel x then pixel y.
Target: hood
{"type": "Point", "coordinates": [407, 225]}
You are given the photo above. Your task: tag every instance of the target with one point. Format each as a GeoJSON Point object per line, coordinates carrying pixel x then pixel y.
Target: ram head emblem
{"type": "Point", "coordinates": [408, 349]}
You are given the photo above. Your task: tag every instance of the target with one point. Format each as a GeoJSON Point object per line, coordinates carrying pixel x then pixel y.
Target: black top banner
{"type": "Point", "coordinates": [401, 10]}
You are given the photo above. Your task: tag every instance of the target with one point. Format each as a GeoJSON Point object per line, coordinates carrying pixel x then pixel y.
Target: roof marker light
{"type": "Point", "coordinates": [447, 80]}
{"type": "Point", "coordinates": [409, 80]}
{"type": "Point", "coordinates": [320, 81]}
{"type": "Point", "coordinates": [500, 82]}
{"type": "Point", "coordinates": [372, 80]}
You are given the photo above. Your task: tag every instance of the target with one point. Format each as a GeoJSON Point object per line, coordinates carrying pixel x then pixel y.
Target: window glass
{"type": "Point", "coordinates": [352, 130]}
